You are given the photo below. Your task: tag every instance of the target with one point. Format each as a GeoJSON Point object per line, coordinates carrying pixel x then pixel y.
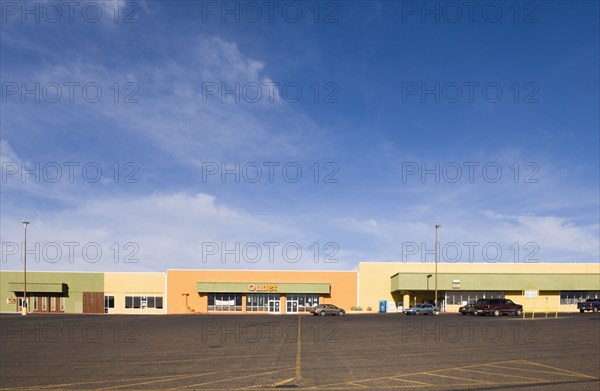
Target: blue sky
{"type": "Point", "coordinates": [499, 103]}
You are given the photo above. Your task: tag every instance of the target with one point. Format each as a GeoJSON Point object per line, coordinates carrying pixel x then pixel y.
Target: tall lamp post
{"type": "Point", "coordinates": [24, 308]}
{"type": "Point", "coordinates": [436, 263]}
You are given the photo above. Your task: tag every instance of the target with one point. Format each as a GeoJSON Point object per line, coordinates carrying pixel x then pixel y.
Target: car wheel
{"type": "Point", "coordinates": [463, 313]}
{"type": "Point", "coordinates": [497, 312]}
{"type": "Point", "coordinates": [582, 311]}
{"type": "Point", "coordinates": [340, 313]}
{"type": "Point", "coordinates": [595, 310]}
{"type": "Point", "coordinates": [322, 313]}
{"type": "Point", "coordinates": [519, 312]}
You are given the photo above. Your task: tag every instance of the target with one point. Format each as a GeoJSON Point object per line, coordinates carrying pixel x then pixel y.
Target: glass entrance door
{"type": "Point", "coordinates": [274, 307]}
{"type": "Point", "coordinates": [292, 307]}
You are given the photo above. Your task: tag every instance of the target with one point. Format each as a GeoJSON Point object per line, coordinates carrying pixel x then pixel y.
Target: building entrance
{"type": "Point", "coordinates": [292, 307]}
{"type": "Point", "coordinates": [274, 307]}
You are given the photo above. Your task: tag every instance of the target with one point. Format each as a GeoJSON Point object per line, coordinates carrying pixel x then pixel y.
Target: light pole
{"type": "Point", "coordinates": [436, 263]}
{"type": "Point", "coordinates": [24, 308]}
{"type": "Point", "coordinates": [428, 277]}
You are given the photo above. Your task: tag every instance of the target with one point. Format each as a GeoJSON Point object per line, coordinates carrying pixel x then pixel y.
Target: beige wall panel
{"type": "Point", "coordinates": [120, 285]}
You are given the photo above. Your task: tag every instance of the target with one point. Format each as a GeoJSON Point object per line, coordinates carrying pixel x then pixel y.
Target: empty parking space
{"type": "Point", "coordinates": [216, 352]}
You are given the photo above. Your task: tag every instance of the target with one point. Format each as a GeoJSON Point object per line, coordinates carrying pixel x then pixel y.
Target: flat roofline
{"type": "Point", "coordinates": [482, 263]}
{"type": "Point", "coordinates": [491, 273]}
{"type": "Point", "coordinates": [201, 270]}
{"type": "Point", "coordinates": [56, 271]}
{"type": "Point", "coordinates": [135, 272]}
{"type": "Point", "coordinates": [264, 270]}
{"type": "Point", "coordinates": [535, 273]}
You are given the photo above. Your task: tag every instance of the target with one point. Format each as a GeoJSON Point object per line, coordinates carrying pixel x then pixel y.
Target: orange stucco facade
{"type": "Point", "coordinates": [183, 296]}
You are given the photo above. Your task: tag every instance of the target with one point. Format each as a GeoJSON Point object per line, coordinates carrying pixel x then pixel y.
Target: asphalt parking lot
{"type": "Point", "coordinates": [362, 352]}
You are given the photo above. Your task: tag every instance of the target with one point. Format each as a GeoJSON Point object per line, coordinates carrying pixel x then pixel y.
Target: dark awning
{"type": "Point", "coordinates": [39, 287]}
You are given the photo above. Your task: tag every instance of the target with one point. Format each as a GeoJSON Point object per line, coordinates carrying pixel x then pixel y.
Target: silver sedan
{"type": "Point", "coordinates": [422, 309]}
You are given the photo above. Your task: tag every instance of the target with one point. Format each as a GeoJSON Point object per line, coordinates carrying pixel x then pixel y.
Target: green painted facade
{"type": "Point", "coordinates": [496, 282]}
{"type": "Point", "coordinates": [72, 284]}
{"type": "Point", "coordinates": [281, 287]}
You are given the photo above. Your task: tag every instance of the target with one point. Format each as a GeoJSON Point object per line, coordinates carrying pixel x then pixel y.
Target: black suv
{"type": "Point", "coordinates": [497, 307]}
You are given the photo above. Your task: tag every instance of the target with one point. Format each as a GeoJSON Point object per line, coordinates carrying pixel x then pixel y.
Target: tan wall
{"type": "Point", "coordinates": [120, 285]}
{"type": "Point", "coordinates": [374, 283]}
{"type": "Point", "coordinates": [375, 280]}
{"type": "Point", "coordinates": [179, 282]}
{"type": "Point", "coordinates": [446, 267]}
{"type": "Point", "coordinates": [547, 301]}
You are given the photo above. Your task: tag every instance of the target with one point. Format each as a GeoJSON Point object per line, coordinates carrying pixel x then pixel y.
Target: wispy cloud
{"type": "Point", "coordinates": [192, 92]}
{"type": "Point", "coordinates": [166, 231]}
{"type": "Point", "coordinates": [174, 104]}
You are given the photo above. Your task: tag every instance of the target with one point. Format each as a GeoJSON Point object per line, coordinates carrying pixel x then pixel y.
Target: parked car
{"type": "Point", "coordinates": [467, 309]}
{"type": "Point", "coordinates": [589, 305]}
{"type": "Point", "coordinates": [327, 309]}
{"type": "Point", "coordinates": [497, 307]}
{"type": "Point", "coordinates": [424, 309]}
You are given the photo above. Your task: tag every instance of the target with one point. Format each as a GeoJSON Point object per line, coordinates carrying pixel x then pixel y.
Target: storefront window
{"type": "Point", "coordinates": [259, 302]}
{"type": "Point", "coordinates": [136, 302]}
{"type": "Point", "coordinates": [305, 301]}
{"type": "Point", "coordinates": [224, 301]}
{"type": "Point", "coordinates": [574, 297]}
{"type": "Point", "coordinates": [464, 297]}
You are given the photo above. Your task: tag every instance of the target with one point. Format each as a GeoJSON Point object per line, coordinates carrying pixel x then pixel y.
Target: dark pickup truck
{"type": "Point", "coordinates": [589, 305]}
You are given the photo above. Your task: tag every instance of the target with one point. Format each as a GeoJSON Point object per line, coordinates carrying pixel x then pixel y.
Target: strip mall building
{"type": "Point", "coordinates": [544, 287]}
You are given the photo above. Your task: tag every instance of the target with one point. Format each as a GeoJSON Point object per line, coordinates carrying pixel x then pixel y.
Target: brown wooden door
{"type": "Point", "coordinates": [93, 302]}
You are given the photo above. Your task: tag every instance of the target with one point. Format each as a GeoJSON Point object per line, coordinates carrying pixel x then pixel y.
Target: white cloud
{"type": "Point", "coordinates": [553, 233]}
{"type": "Point", "coordinates": [519, 237]}
{"type": "Point", "coordinates": [7, 154]}
{"type": "Point", "coordinates": [178, 110]}
{"type": "Point", "coordinates": [162, 231]}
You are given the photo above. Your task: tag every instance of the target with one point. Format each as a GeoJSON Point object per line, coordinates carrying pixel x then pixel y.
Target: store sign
{"type": "Point", "coordinates": [455, 284]}
{"type": "Point", "coordinates": [262, 288]}
{"type": "Point", "coordinates": [11, 300]}
{"type": "Point", "coordinates": [530, 294]}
